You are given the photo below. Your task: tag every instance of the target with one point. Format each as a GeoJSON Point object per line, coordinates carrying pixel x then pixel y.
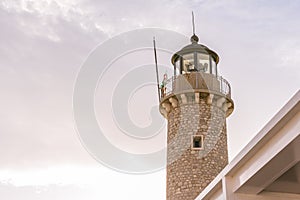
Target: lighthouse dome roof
{"type": "Point", "coordinates": [195, 47]}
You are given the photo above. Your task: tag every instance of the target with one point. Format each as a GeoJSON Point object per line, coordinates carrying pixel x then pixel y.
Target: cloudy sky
{"type": "Point", "coordinates": [44, 44]}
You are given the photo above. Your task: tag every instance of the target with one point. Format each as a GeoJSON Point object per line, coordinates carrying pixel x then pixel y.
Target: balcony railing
{"type": "Point", "coordinates": [196, 81]}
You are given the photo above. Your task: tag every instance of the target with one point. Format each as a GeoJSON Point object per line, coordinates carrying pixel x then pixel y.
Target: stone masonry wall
{"type": "Point", "coordinates": [190, 171]}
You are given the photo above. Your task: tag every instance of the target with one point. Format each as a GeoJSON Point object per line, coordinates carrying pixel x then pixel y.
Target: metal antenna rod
{"type": "Point", "coordinates": [157, 79]}
{"type": "Point", "coordinates": [193, 21]}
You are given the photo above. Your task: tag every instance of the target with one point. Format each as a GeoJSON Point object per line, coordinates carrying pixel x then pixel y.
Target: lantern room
{"type": "Point", "coordinates": [195, 58]}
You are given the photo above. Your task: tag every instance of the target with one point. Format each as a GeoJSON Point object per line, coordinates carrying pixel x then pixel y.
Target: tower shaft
{"type": "Point", "coordinates": [190, 169]}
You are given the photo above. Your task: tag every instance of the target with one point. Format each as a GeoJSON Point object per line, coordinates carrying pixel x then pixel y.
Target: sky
{"type": "Point", "coordinates": [45, 43]}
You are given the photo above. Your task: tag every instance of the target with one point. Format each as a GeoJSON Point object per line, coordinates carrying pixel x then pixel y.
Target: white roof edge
{"type": "Point", "coordinates": [271, 128]}
{"type": "Point", "coordinates": [263, 136]}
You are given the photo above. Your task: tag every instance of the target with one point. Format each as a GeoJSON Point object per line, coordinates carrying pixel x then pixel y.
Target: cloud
{"type": "Point", "coordinates": [58, 192]}
{"type": "Point", "coordinates": [38, 73]}
{"type": "Point", "coordinates": [76, 182]}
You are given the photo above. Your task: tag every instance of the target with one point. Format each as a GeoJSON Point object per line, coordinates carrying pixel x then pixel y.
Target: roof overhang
{"type": "Point", "coordinates": [268, 165]}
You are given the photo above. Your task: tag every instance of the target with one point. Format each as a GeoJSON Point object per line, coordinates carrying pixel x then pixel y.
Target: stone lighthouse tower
{"type": "Point", "coordinates": [196, 102]}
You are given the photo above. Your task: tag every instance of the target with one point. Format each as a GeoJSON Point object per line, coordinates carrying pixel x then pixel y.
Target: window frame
{"type": "Point", "coordinates": [193, 142]}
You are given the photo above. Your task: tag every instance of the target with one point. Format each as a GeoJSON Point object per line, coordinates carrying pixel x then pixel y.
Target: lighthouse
{"type": "Point", "coordinates": [196, 101]}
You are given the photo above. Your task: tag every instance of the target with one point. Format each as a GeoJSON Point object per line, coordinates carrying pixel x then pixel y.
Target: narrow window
{"type": "Point", "coordinates": [197, 142]}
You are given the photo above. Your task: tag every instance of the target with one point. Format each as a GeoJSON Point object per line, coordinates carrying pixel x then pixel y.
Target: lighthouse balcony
{"type": "Point", "coordinates": [197, 82]}
{"type": "Point", "coordinates": [193, 86]}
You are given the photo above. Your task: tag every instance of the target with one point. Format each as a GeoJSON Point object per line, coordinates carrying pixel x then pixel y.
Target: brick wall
{"type": "Point", "coordinates": [190, 171]}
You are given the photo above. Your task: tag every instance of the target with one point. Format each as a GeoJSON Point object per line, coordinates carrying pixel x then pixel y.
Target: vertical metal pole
{"type": "Point", "coordinates": [193, 21]}
{"type": "Point", "coordinates": [156, 67]}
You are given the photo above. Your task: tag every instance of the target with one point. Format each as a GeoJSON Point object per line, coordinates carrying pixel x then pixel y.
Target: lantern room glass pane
{"type": "Point", "coordinates": [188, 63]}
{"type": "Point", "coordinates": [177, 65]}
{"type": "Point", "coordinates": [203, 63]}
{"type": "Point", "coordinates": [213, 67]}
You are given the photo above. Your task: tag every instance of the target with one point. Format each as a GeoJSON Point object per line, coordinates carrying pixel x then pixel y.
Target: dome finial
{"type": "Point", "coordinates": [194, 38]}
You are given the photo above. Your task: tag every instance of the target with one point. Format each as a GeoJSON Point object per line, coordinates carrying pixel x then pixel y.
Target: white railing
{"type": "Point", "coordinates": [196, 81]}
